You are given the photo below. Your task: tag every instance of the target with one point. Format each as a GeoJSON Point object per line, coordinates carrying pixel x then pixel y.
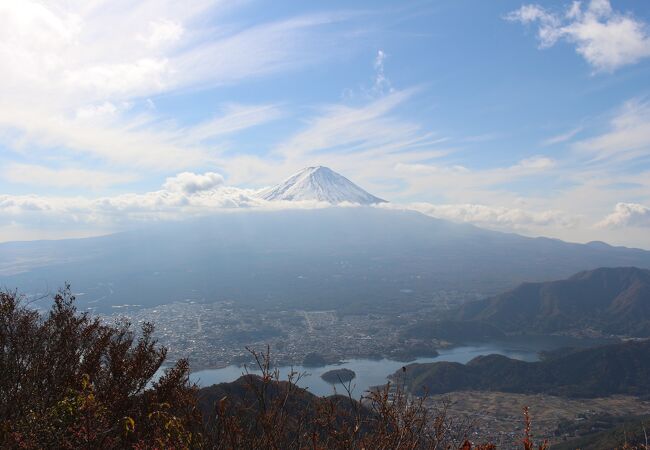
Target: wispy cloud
{"type": "Point", "coordinates": [76, 76]}
{"type": "Point", "coordinates": [141, 141]}
{"type": "Point", "coordinates": [628, 136]}
{"type": "Point", "coordinates": [605, 38]}
{"type": "Point", "coordinates": [382, 84]}
{"type": "Point", "coordinates": [234, 119]}
{"type": "Point", "coordinates": [364, 140]}
{"type": "Point", "coordinates": [35, 175]}
{"type": "Point", "coordinates": [563, 137]}
{"type": "Point", "coordinates": [370, 136]}
{"type": "Point", "coordinates": [107, 49]}
{"type": "Point", "coordinates": [459, 181]}
{"type": "Point", "coordinates": [494, 217]}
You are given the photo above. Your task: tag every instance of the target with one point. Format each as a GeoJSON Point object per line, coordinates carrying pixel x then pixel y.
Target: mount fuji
{"type": "Point", "coordinates": [352, 260]}
{"type": "Point", "coordinates": [321, 184]}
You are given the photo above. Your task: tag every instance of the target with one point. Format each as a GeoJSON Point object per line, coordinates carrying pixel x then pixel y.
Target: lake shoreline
{"type": "Point", "coordinates": [375, 372]}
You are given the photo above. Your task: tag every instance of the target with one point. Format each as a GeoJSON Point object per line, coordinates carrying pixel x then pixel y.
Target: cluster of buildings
{"type": "Point", "coordinates": [217, 334]}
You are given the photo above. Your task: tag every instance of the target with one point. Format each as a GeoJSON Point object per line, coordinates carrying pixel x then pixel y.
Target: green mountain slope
{"type": "Point", "coordinates": [601, 371]}
{"type": "Point", "coordinates": [609, 300]}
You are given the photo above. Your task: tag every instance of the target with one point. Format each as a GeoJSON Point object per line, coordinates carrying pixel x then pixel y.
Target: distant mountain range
{"type": "Point", "coordinates": [595, 372]}
{"type": "Point", "coordinates": [354, 260]}
{"type": "Point", "coordinates": [608, 300]}
{"type": "Point", "coordinates": [321, 184]}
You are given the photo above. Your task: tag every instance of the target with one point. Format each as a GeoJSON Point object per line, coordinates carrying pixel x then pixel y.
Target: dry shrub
{"type": "Point", "coordinates": [263, 411]}
{"type": "Point", "coordinates": [69, 381]}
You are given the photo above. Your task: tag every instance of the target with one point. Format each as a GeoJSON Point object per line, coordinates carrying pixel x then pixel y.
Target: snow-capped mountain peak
{"type": "Point", "coordinates": [322, 184]}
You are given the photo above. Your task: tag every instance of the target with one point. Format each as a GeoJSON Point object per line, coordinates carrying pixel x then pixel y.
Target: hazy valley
{"type": "Point", "coordinates": [371, 289]}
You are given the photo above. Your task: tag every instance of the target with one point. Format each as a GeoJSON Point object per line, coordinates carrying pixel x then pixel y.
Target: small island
{"type": "Point", "coordinates": [314, 360]}
{"type": "Point", "coordinates": [338, 376]}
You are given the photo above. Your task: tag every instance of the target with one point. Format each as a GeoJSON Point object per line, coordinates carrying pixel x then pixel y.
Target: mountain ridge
{"type": "Point", "coordinates": [352, 259]}
{"type": "Point", "coordinates": [613, 300]}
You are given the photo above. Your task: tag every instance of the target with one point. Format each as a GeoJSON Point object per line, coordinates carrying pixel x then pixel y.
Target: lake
{"type": "Point", "coordinates": [373, 372]}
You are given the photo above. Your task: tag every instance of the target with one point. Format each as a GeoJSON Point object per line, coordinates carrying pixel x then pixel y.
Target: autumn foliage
{"type": "Point", "coordinates": [70, 381]}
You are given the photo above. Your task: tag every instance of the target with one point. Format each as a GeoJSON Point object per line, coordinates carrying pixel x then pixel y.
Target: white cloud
{"type": "Point", "coordinates": [365, 141]}
{"type": "Point", "coordinates": [235, 118]}
{"type": "Point", "coordinates": [162, 32]}
{"type": "Point", "coordinates": [142, 141]}
{"type": "Point", "coordinates": [605, 38]}
{"type": "Point", "coordinates": [563, 137]}
{"type": "Point", "coordinates": [198, 194]}
{"type": "Point", "coordinates": [345, 128]}
{"type": "Point", "coordinates": [534, 163]}
{"type": "Point", "coordinates": [99, 50]}
{"type": "Point", "coordinates": [98, 110]}
{"type": "Point", "coordinates": [75, 74]}
{"type": "Point", "coordinates": [35, 175]}
{"type": "Point", "coordinates": [183, 196]}
{"type": "Point", "coordinates": [260, 50]}
{"type": "Point", "coordinates": [430, 169]}
{"type": "Point", "coordinates": [628, 136]}
{"type": "Point", "coordinates": [494, 217]}
{"type": "Point", "coordinates": [382, 85]}
{"type": "Point", "coordinates": [147, 75]}
{"type": "Point", "coordinates": [189, 194]}
{"type": "Point", "coordinates": [190, 183]}
{"type": "Point", "coordinates": [368, 138]}
{"type": "Point", "coordinates": [461, 178]}
{"type": "Point", "coordinates": [112, 213]}
{"type": "Point", "coordinates": [627, 215]}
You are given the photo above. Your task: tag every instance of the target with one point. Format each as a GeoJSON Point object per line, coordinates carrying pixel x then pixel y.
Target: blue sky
{"type": "Point", "coordinates": [517, 116]}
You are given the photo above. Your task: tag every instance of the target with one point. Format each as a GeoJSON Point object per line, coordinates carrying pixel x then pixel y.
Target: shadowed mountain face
{"type": "Point", "coordinates": [611, 300]}
{"type": "Point", "coordinates": [321, 184]}
{"type": "Point", "coordinates": [351, 259]}
{"type": "Point", "coordinates": [596, 372]}
{"type": "Point", "coordinates": [243, 393]}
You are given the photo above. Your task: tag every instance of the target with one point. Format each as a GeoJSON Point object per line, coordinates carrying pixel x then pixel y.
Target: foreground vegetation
{"type": "Point", "coordinates": [70, 381]}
